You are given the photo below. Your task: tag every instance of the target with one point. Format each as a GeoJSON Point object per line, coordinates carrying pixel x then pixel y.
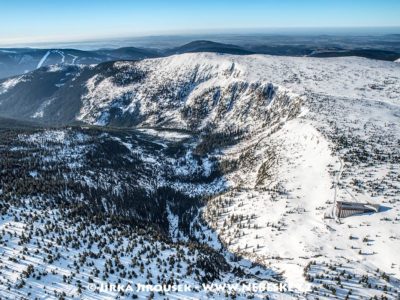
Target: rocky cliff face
{"type": "Point", "coordinates": [191, 91]}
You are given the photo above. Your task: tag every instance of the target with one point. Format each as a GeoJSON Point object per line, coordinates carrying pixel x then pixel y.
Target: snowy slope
{"type": "Point", "coordinates": [271, 143]}
{"type": "Point", "coordinates": [177, 82]}
{"type": "Point", "coordinates": [66, 257]}
{"type": "Point", "coordinates": [10, 83]}
{"type": "Point", "coordinates": [282, 195]}
{"type": "Point", "coordinates": [185, 91]}
{"type": "Point", "coordinates": [43, 59]}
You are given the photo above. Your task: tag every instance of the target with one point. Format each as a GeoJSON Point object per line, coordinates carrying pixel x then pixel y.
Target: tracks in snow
{"type": "Point", "coordinates": [41, 62]}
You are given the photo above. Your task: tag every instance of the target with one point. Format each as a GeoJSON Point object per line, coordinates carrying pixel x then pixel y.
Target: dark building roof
{"type": "Point", "coordinates": [358, 206]}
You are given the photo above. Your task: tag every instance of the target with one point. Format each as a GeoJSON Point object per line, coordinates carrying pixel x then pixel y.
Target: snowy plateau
{"type": "Point", "coordinates": [202, 169]}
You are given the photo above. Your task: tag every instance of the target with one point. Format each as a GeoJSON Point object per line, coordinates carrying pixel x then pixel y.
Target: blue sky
{"type": "Point", "coordinates": [56, 20]}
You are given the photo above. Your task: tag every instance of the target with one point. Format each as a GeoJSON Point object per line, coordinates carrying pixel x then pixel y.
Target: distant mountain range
{"type": "Point", "coordinates": [208, 46]}
{"type": "Point", "coordinates": [16, 61]}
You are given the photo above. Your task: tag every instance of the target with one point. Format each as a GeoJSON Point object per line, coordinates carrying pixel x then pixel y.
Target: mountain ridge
{"type": "Point", "coordinates": [15, 61]}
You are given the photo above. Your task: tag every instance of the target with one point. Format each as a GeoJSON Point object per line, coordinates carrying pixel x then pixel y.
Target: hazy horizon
{"type": "Point", "coordinates": [33, 22]}
{"type": "Point", "coordinates": [163, 38]}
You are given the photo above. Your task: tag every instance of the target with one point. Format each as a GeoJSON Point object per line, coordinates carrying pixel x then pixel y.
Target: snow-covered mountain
{"type": "Point", "coordinates": [183, 89]}
{"type": "Point", "coordinates": [17, 61]}
{"type": "Point", "coordinates": [244, 155]}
